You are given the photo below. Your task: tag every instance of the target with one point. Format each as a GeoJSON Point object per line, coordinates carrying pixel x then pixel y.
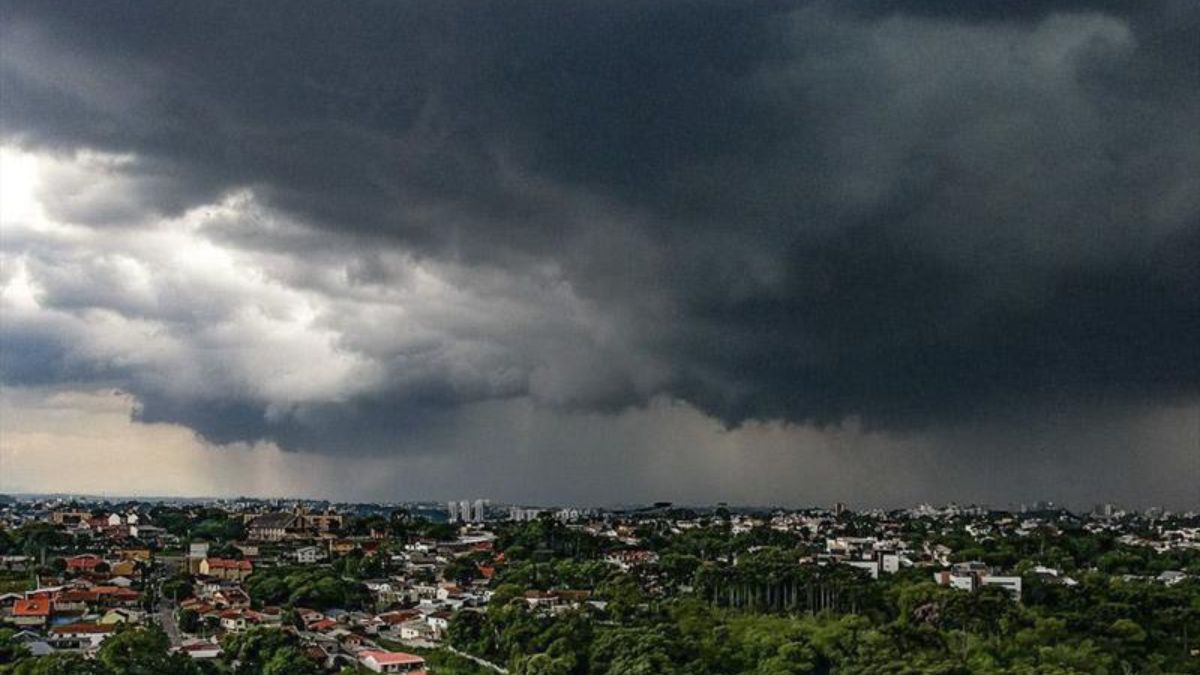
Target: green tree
{"type": "Point", "coordinates": [254, 649]}
{"type": "Point", "coordinates": [11, 650]}
{"type": "Point", "coordinates": [544, 664]}
{"type": "Point", "coordinates": [178, 587]}
{"type": "Point", "coordinates": [290, 661]}
{"type": "Point", "coordinates": [61, 664]}
{"type": "Point", "coordinates": [143, 652]}
{"type": "Point", "coordinates": [189, 620]}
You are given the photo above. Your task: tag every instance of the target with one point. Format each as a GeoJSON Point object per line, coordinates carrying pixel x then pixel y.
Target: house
{"type": "Point", "coordinates": [536, 598]}
{"type": "Point", "coordinates": [439, 622]}
{"type": "Point", "coordinates": [275, 526]}
{"type": "Point", "coordinates": [202, 649]}
{"type": "Point", "coordinates": [33, 611]}
{"type": "Point", "coordinates": [341, 546]}
{"type": "Point", "coordinates": [871, 567]}
{"type": "Point", "coordinates": [35, 643]}
{"type": "Point", "coordinates": [122, 615]}
{"type": "Point", "coordinates": [81, 599]}
{"type": "Point", "coordinates": [74, 601]}
{"type": "Point", "coordinates": [113, 596]}
{"type": "Point", "coordinates": [197, 552]}
{"type": "Point", "coordinates": [230, 598]}
{"type": "Point", "coordinates": [123, 568]}
{"type": "Point", "coordinates": [84, 563]}
{"type": "Point", "coordinates": [398, 617]}
{"type": "Point", "coordinates": [352, 642]}
{"type": "Point", "coordinates": [573, 598]}
{"type": "Point", "coordinates": [7, 600]}
{"type": "Point", "coordinates": [202, 608]}
{"type": "Point", "coordinates": [234, 620]}
{"type": "Point", "coordinates": [415, 629]}
{"type": "Point", "coordinates": [139, 554]}
{"type": "Point", "coordinates": [371, 625]}
{"type": "Point", "coordinates": [1171, 577]}
{"type": "Point", "coordinates": [146, 532]}
{"type": "Point", "coordinates": [15, 563]}
{"type": "Point", "coordinates": [308, 555]}
{"type": "Point", "coordinates": [392, 662]}
{"type": "Point", "coordinates": [969, 576]}
{"type": "Point", "coordinates": [247, 550]}
{"type": "Point", "coordinates": [223, 568]}
{"type": "Point", "coordinates": [1008, 583]}
{"type": "Point", "coordinates": [80, 635]}
{"type": "Point", "coordinates": [309, 616]}
{"type": "Point", "coordinates": [628, 559]}
{"type": "Point", "coordinates": [270, 616]}
{"type": "Point", "coordinates": [446, 591]}
{"type": "Point", "coordinates": [69, 517]}
{"type": "Point", "coordinates": [322, 522]}
{"type": "Point", "coordinates": [322, 625]}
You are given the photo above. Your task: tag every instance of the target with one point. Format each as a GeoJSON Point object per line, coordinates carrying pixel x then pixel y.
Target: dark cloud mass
{"type": "Point", "coordinates": [910, 213]}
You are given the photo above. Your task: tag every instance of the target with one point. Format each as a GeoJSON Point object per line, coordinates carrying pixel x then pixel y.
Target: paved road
{"type": "Point", "coordinates": [166, 615]}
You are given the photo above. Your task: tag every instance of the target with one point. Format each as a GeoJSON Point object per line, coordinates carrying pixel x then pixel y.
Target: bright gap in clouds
{"type": "Point", "coordinates": [18, 180]}
{"type": "Point", "coordinates": [165, 296]}
{"type": "Point", "coordinates": [19, 209]}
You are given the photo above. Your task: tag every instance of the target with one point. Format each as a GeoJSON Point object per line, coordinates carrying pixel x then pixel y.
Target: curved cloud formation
{"type": "Point", "coordinates": [293, 222]}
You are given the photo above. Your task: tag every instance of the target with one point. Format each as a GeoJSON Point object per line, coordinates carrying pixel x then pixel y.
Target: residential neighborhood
{"type": "Point", "coordinates": [390, 589]}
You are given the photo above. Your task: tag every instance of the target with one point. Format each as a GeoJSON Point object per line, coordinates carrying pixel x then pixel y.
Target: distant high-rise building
{"type": "Point", "coordinates": [452, 511]}
{"type": "Point", "coordinates": [477, 514]}
{"type": "Point", "coordinates": [522, 515]}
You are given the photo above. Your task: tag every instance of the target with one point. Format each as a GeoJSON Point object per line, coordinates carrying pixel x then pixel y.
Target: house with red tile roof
{"type": "Point", "coordinates": [392, 662]}
{"type": "Point", "coordinates": [80, 599]}
{"type": "Point", "coordinates": [34, 611]}
{"type": "Point", "coordinates": [322, 625]}
{"type": "Point", "coordinates": [223, 568]}
{"type": "Point", "coordinates": [80, 635]}
{"type": "Point", "coordinates": [84, 563]}
{"type": "Point", "coordinates": [235, 620]}
{"type": "Point", "coordinates": [201, 650]}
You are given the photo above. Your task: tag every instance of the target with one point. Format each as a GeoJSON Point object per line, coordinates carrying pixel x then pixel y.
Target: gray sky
{"type": "Point", "coordinates": [788, 252]}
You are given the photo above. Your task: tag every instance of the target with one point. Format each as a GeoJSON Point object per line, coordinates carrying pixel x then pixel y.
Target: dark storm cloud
{"type": "Point", "coordinates": [982, 10]}
{"type": "Point", "coordinates": [912, 213]}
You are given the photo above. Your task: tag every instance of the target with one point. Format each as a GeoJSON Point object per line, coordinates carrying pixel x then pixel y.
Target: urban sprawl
{"type": "Point", "coordinates": [99, 586]}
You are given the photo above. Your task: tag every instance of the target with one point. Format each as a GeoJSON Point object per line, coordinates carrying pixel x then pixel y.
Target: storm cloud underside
{"type": "Point", "coordinates": [346, 231]}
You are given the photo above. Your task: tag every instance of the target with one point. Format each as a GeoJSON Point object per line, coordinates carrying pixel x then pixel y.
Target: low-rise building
{"type": "Point", "coordinates": [34, 611]}
{"type": "Point", "coordinates": [392, 662]}
{"type": "Point", "coordinates": [223, 568]}
{"type": "Point", "coordinates": [308, 555]}
{"type": "Point", "coordinates": [83, 636]}
{"type": "Point", "coordinates": [970, 576]}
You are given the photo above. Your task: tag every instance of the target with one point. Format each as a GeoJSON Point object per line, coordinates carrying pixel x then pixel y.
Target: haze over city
{"type": "Point", "coordinates": [787, 253]}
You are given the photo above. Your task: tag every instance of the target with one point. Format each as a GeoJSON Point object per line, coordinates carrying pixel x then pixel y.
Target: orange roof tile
{"type": "Point", "coordinates": [32, 607]}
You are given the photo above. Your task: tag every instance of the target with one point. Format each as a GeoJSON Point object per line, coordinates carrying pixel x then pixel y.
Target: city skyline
{"type": "Point", "coordinates": [760, 253]}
